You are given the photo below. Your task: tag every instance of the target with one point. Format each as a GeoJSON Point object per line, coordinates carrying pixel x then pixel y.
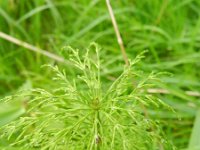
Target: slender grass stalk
{"type": "Point", "coordinates": [119, 39]}
{"type": "Point", "coordinates": [30, 47]}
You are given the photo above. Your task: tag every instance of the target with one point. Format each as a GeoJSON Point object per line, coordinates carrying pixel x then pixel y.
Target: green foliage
{"type": "Point", "coordinates": [168, 28]}
{"type": "Point", "coordinates": [83, 113]}
{"type": "Point", "coordinates": [10, 112]}
{"type": "Point", "coordinates": [195, 136]}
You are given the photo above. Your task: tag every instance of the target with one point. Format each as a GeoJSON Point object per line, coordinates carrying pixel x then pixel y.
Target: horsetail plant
{"type": "Point", "coordinates": [85, 114]}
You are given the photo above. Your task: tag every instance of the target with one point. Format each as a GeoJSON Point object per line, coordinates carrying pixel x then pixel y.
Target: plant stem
{"type": "Point", "coordinates": [30, 47]}
{"type": "Point", "coordinates": [119, 38]}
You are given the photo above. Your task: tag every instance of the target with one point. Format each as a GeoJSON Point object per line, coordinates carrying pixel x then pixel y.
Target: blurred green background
{"type": "Point", "coordinates": [169, 29]}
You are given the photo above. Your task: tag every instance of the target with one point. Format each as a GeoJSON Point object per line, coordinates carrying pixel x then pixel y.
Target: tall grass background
{"type": "Point", "coordinates": [169, 29]}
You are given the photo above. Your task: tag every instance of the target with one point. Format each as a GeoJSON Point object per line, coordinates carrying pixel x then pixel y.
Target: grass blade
{"type": "Point", "coordinates": [194, 143]}
{"type": "Point", "coordinates": [9, 113]}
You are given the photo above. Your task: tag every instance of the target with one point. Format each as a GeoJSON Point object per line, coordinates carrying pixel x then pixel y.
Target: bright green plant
{"type": "Point", "coordinates": [85, 114]}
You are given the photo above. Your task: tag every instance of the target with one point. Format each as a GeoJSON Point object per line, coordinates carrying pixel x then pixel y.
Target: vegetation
{"type": "Point", "coordinates": [168, 29]}
{"type": "Point", "coordinates": [85, 114]}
